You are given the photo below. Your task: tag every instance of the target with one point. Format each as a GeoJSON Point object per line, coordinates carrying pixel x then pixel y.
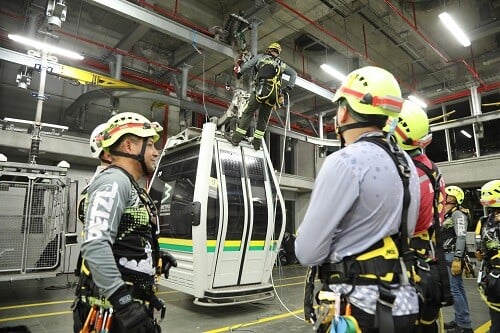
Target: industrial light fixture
{"type": "Point", "coordinates": [23, 77]}
{"type": "Point", "coordinates": [56, 13]}
{"type": "Point", "coordinates": [456, 31]}
{"type": "Point", "coordinates": [466, 134]}
{"type": "Point", "coordinates": [21, 125]}
{"type": "Point", "coordinates": [312, 87]}
{"type": "Point", "coordinates": [51, 49]}
{"type": "Point", "coordinates": [417, 101]}
{"type": "Point", "coordinates": [333, 72]}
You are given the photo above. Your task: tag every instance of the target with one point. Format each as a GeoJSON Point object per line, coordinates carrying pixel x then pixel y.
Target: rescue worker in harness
{"type": "Point", "coordinates": [488, 251]}
{"type": "Point", "coordinates": [120, 249]}
{"type": "Point", "coordinates": [413, 134]}
{"type": "Point", "coordinates": [454, 232]}
{"type": "Point", "coordinates": [363, 206]}
{"type": "Point", "coordinates": [268, 68]}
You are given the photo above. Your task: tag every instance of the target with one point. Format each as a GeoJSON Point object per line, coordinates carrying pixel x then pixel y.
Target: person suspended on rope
{"type": "Point", "coordinates": [454, 232]}
{"type": "Point", "coordinates": [121, 255]}
{"type": "Point", "coordinates": [363, 207]}
{"type": "Point", "coordinates": [488, 251]}
{"type": "Point", "coordinates": [269, 69]}
{"type": "Point", "coordinates": [413, 134]}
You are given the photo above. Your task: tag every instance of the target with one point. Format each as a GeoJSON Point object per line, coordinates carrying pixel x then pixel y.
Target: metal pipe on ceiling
{"type": "Point", "coordinates": [482, 88]}
{"type": "Point", "coordinates": [464, 93]}
{"type": "Point", "coordinates": [429, 42]}
{"type": "Point", "coordinates": [336, 38]}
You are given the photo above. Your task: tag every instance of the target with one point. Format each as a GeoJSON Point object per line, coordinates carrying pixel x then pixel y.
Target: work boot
{"type": "Point", "coordinates": [256, 143]}
{"type": "Point", "coordinates": [450, 325]}
{"type": "Point", "coordinates": [235, 139]}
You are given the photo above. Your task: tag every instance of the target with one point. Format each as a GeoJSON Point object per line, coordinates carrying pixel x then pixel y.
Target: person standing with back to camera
{"type": "Point", "coordinates": [413, 134]}
{"type": "Point", "coordinates": [362, 209]}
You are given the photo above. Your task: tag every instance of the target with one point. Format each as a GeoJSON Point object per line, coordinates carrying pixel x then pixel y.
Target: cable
{"type": "Point", "coordinates": [287, 121]}
{"type": "Point", "coordinates": [193, 44]}
{"type": "Point", "coordinates": [203, 88]}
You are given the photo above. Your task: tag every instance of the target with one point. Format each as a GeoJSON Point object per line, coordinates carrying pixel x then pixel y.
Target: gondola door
{"type": "Point", "coordinates": [230, 242]}
{"type": "Point", "coordinates": [243, 242]}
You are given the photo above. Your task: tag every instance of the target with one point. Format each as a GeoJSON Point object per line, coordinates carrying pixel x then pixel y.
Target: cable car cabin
{"type": "Point", "coordinates": [221, 215]}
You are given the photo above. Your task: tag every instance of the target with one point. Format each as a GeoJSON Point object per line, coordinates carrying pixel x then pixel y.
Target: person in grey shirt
{"type": "Point", "coordinates": [357, 205]}
{"type": "Point", "coordinates": [120, 248]}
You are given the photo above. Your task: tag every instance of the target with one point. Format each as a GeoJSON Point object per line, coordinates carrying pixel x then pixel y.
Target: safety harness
{"type": "Point", "coordinates": [435, 178]}
{"type": "Point", "coordinates": [268, 80]}
{"type": "Point", "coordinates": [489, 272]}
{"type": "Point", "coordinates": [384, 263]}
{"type": "Point", "coordinates": [142, 288]}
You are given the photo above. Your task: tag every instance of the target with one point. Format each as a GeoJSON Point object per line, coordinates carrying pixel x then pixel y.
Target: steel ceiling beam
{"type": "Point", "coordinates": [146, 17]}
{"type": "Point", "coordinates": [466, 121]}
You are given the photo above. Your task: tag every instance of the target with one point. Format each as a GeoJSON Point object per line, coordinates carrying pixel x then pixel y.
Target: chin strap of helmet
{"type": "Point", "coordinates": [103, 160]}
{"type": "Point", "coordinates": [341, 129]}
{"type": "Point", "coordinates": [139, 157]}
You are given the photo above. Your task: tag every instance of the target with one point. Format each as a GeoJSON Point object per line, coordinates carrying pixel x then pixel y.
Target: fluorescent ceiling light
{"type": "Point", "coordinates": [451, 25]}
{"type": "Point", "coordinates": [333, 72]}
{"type": "Point", "coordinates": [465, 133]}
{"type": "Point", "coordinates": [51, 49]}
{"type": "Point", "coordinates": [312, 87]}
{"type": "Point", "coordinates": [417, 101]}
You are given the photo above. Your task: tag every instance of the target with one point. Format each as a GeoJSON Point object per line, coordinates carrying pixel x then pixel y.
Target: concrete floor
{"type": "Point", "coordinates": [43, 306]}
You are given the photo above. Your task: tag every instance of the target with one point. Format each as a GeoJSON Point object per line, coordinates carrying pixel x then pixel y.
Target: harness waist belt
{"type": "Point", "coordinates": [347, 270]}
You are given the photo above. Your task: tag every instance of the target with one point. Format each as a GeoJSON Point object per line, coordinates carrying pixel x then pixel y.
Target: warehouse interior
{"type": "Point", "coordinates": [172, 61]}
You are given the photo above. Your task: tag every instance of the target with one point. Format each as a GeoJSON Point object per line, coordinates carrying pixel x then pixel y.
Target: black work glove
{"type": "Point", "coordinates": [238, 75]}
{"type": "Point", "coordinates": [130, 316]}
{"type": "Point", "coordinates": [167, 261]}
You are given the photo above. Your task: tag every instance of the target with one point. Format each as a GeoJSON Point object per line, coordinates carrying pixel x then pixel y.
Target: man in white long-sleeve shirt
{"type": "Point", "coordinates": [352, 228]}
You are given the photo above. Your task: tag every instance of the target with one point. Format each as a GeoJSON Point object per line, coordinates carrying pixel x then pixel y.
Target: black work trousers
{"type": "Point", "coordinates": [247, 115]}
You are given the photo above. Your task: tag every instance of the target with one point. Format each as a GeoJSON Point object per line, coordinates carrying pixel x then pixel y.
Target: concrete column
{"type": "Point", "coordinates": [185, 71]}
{"type": "Point", "coordinates": [117, 74]}
{"type": "Point", "coordinates": [447, 134]}
{"type": "Point", "coordinates": [477, 128]}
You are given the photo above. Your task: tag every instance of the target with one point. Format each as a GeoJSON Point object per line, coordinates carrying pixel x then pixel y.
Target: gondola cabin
{"type": "Point", "coordinates": [221, 215]}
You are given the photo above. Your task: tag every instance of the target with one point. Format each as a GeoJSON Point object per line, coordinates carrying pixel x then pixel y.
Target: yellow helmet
{"type": "Point", "coordinates": [412, 130]}
{"type": "Point", "coordinates": [456, 192]}
{"type": "Point", "coordinates": [128, 123]}
{"type": "Point", "coordinates": [371, 90]}
{"type": "Point", "coordinates": [490, 194]}
{"type": "Point", "coordinates": [275, 46]}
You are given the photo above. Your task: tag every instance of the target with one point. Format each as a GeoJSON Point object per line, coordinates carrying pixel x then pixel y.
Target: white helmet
{"type": "Point", "coordinates": [96, 149]}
